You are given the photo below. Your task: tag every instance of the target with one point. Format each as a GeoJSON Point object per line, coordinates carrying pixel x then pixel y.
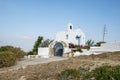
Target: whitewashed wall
{"type": "Point", "coordinates": [67, 50]}
{"type": "Point", "coordinates": [43, 52]}
{"type": "Point", "coordinates": [69, 36]}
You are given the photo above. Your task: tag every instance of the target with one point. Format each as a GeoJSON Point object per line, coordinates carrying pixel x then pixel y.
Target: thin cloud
{"type": "Point", "coordinates": [27, 37]}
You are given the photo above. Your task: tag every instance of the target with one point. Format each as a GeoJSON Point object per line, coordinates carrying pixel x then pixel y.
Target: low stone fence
{"type": "Point", "coordinates": [32, 56]}
{"type": "Point", "coordinates": [72, 54]}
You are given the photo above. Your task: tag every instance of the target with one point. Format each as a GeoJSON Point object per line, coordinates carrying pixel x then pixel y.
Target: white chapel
{"type": "Point", "coordinates": [74, 36]}
{"type": "Point", "coordinates": [60, 45]}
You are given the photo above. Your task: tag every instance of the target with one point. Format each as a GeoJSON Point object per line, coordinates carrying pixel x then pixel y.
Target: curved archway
{"type": "Point", "coordinates": [58, 49]}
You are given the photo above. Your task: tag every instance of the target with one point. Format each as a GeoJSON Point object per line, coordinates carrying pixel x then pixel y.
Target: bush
{"type": "Point", "coordinates": [6, 48]}
{"type": "Point", "coordinates": [79, 49]}
{"type": "Point", "coordinates": [99, 43]}
{"type": "Point", "coordinates": [69, 74]}
{"type": "Point", "coordinates": [7, 59]}
{"type": "Point", "coordinates": [90, 43]}
{"type": "Point", "coordinates": [9, 54]}
{"type": "Point", "coordinates": [71, 45]}
{"type": "Point", "coordinates": [104, 73]}
{"type": "Point", "coordinates": [107, 73]}
{"type": "Point", "coordinates": [17, 51]}
{"type": "Point", "coordinates": [101, 73]}
{"type": "Point", "coordinates": [30, 53]}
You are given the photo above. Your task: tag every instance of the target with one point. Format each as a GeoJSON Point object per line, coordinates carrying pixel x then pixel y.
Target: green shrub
{"type": "Point", "coordinates": [9, 54]}
{"type": "Point", "coordinates": [90, 43]}
{"type": "Point", "coordinates": [30, 53]}
{"type": "Point", "coordinates": [7, 59]}
{"type": "Point", "coordinates": [86, 47]}
{"type": "Point", "coordinates": [6, 48]}
{"type": "Point", "coordinates": [104, 73]}
{"type": "Point", "coordinates": [17, 51]}
{"type": "Point", "coordinates": [79, 49]}
{"type": "Point", "coordinates": [99, 43]}
{"type": "Point", "coordinates": [101, 73]}
{"type": "Point", "coordinates": [69, 74]}
{"type": "Point", "coordinates": [107, 73]}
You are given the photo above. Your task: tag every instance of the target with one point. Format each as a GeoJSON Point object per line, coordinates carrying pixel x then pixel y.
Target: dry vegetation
{"type": "Point", "coordinates": [49, 71]}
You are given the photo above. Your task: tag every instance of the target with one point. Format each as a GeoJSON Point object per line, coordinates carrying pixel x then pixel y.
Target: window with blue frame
{"type": "Point", "coordinates": [78, 38]}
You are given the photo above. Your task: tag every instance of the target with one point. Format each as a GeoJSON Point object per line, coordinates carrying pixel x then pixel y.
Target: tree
{"type": "Point", "coordinates": [90, 43]}
{"type": "Point", "coordinates": [46, 43]}
{"type": "Point", "coordinates": [37, 44]}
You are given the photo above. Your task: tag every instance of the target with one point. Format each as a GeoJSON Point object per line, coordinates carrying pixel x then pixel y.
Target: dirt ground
{"type": "Point", "coordinates": [49, 71]}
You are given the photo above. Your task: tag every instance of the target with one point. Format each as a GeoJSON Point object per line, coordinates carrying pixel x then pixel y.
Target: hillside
{"type": "Point", "coordinates": [49, 71]}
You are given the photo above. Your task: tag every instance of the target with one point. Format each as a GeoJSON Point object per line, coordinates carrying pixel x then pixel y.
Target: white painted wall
{"type": "Point", "coordinates": [108, 47]}
{"type": "Point", "coordinates": [43, 51]}
{"type": "Point", "coordinates": [61, 36]}
{"type": "Point", "coordinates": [66, 50]}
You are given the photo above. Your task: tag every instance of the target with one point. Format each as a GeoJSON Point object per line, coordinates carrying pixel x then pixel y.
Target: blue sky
{"type": "Point", "coordinates": [22, 21]}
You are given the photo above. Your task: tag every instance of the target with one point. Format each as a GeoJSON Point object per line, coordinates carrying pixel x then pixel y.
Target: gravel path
{"type": "Point", "coordinates": [33, 61]}
{"type": "Point", "coordinates": [30, 61]}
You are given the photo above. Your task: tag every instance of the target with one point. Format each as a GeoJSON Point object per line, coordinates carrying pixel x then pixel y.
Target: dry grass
{"type": "Point", "coordinates": [49, 71]}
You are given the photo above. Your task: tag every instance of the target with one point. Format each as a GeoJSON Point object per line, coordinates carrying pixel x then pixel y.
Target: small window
{"type": "Point", "coordinates": [77, 37]}
{"type": "Point", "coordinates": [67, 36]}
{"type": "Point", "coordinates": [70, 27]}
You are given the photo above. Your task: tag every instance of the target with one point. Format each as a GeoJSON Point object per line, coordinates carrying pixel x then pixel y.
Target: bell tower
{"type": "Point", "coordinates": [69, 27]}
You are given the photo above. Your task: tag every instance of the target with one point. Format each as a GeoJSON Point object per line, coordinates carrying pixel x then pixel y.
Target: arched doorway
{"type": "Point", "coordinates": [58, 49]}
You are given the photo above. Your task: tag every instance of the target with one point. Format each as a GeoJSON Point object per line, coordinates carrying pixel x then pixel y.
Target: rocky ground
{"type": "Point", "coordinates": [49, 70]}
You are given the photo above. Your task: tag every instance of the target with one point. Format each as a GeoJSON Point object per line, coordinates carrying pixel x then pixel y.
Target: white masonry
{"type": "Point", "coordinates": [76, 36]}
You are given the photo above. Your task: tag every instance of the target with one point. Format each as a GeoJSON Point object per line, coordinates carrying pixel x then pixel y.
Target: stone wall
{"type": "Point", "coordinates": [51, 47]}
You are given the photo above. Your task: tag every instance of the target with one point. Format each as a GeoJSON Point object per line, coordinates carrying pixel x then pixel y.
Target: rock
{"type": "Point", "coordinates": [66, 55]}
{"type": "Point", "coordinates": [71, 54]}
{"type": "Point", "coordinates": [22, 78]}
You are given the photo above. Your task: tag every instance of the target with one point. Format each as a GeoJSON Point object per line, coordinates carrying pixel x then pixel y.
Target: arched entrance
{"type": "Point", "coordinates": [58, 49]}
